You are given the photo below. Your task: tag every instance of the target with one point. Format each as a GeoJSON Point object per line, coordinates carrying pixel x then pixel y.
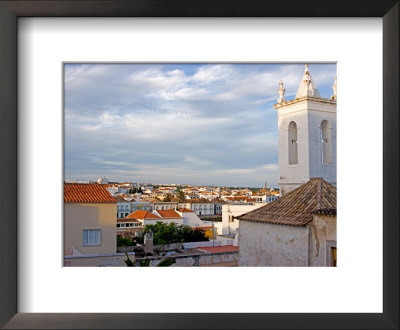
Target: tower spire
{"type": "Point", "coordinates": [307, 86]}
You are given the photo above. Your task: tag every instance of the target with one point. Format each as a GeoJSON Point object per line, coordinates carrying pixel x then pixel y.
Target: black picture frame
{"type": "Point", "coordinates": [12, 9]}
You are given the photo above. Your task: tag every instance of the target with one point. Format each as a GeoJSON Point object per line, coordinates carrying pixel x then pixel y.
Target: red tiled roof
{"type": "Point", "coordinates": [86, 193]}
{"type": "Point", "coordinates": [127, 220]}
{"type": "Point", "coordinates": [219, 249]}
{"type": "Point", "coordinates": [168, 214]}
{"type": "Point", "coordinates": [241, 198]}
{"type": "Point", "coordinates": [140, 214]}
{"type": "Point", "coordinates": [297, 207]}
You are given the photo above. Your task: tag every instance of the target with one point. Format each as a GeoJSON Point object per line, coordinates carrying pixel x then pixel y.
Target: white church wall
{"type": "Point", "coordinates": [317, 167]}
{"type": "Point", "coordinates": [322, 240]}
{"type": "Point", "coordinates": [296, 174]}
{"type": "Point", "coordinates": [307, 111]}
{"type": "Point", "coordinates": [264, 244]}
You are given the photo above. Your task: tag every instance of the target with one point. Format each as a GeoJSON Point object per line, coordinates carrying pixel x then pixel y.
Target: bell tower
{"type": "Point", "coordinates": [306, 135]}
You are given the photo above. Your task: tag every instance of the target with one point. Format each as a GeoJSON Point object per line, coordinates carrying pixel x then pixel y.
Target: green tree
{"type": "Point", "coordinates": [133, 190]}
{"type": "Point", "coordinates": [181, 196]}
{"type": "Point", "coordinates": [144, 263]}
{"type": "Point", "coordinates": [128, 261]}
{"type": "Point", "coordinates": [166, 262]}
{"type": "Point", "coordinates": [125, 241]}
{"type": "Point", "coordinates": [171, 233]}
{"type": "Point", "coordinates": [167, 198]}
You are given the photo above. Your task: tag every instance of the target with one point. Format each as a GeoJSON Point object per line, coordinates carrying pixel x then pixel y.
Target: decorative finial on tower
{"type": "Point", "coordinates": [281, 92]}
{"type": "Point", "coordinates": [306, 77]}
{"type": "Point", "coordinates": [334, 87]}
{"type": "Point", "coordinates": [307, 86]}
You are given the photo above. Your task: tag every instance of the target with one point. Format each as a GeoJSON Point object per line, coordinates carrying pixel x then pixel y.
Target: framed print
{"type": "Point", "coordinates": [258, 312]}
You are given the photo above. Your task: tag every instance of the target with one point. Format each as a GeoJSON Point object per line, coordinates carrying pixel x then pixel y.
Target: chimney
{"type": "Point", "coordinates": [148, 242]}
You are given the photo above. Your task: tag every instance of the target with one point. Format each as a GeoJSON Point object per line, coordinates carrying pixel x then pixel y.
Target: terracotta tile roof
{"type": "Point", "coordinates": [220, 249]}
{"type": "Point", "coordinates": [183, 210]}
{"type": "Point", "coordinates": [168, 214]}
{"type": "Point", "coordinates": [297, 207]}
{"type": "Point", "coordinates": [217, 200]}
{"type": "Point", "coordinates": [140, 214]}
{"type": "Point", "coordinates": [86, 193]}
{"type": "Point", "coordinates": [127, 220]}
{"type": "Point", "coordinates": [241, 199]}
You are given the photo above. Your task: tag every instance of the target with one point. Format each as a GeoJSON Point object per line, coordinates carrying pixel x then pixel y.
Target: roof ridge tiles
{"type": "Point", "coordinates": [298, 206]}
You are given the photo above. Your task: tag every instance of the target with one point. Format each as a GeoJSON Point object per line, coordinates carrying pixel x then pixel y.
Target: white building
{"type": "Point", "coordinates": [102, 180]}
{"type": "Point", "coordinates": [169, 216]}
{"type": "Point", "coordinates": [190, 218]}
{"type": "Point", "coordinates": [163, 205]}
{"type": "Point", "coordinates": [202, 207]}
{"type": "Point", "coordinates": [113, 190]}
{"type": "Point", "coordinates": [140, 205]}
{"type": "Point", "coordinates": [230, 211]}
{"type": "Point", "coordinates": [306, 135]}
{"type": "Point", "coordinates": [129, 224]}
{"type": "Point", "coordinates": [217, 208]}
{"type": "Point", "coordinates": [151, 218]}
{"type": "Point", "coordinates": [299, 229]}
{"type": "Point", "coordinates": [123, 207]}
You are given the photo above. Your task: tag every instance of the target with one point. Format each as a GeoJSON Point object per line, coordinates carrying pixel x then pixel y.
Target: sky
{"type": "Point", "coordinates": [199, 124]}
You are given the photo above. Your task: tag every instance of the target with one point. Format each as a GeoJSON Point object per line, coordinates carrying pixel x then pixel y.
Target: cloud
{"type": "Point", "coordinates": [211, 73]}
{"type": "Point", "coordinates": [211, 124]}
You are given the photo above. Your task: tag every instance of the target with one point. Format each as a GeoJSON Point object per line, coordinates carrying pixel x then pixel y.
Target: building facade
{"type": "Point", "coordinates": [306, 135]}
{"type": "Point", "coordinates": [299, 229]}
{"type": "Point", "coordinates": [90, 219]}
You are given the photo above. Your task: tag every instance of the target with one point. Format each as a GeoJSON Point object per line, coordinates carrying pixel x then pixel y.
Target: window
{"type": "Point", "coordinates": [292, 141]}
{"type": "Point", "coordinates": [91, 236]}
{"type": "Point", "coordinates": [326, 142]}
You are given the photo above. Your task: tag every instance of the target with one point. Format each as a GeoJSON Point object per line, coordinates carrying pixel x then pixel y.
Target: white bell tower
{"type": "Point", "coordinates": [306, 135]}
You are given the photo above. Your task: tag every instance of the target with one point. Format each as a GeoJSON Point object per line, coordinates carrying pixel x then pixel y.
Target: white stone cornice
{"type": "Point", "coordinates": [304, 98]}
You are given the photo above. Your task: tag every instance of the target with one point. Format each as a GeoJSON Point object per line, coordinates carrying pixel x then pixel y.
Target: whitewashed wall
{"type": "Point", "coordinates": [264, 244]}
